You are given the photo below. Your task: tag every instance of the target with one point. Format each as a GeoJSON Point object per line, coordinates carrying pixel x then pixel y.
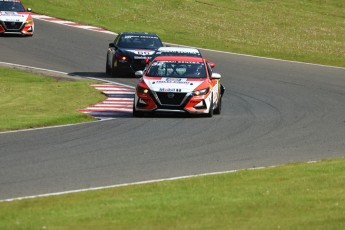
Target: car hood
{"type": "Point", "coordinates": [180, 85]}
{"type": "Point", "coordinates": [10, 16]}
{"type": "Point", "coordinates": [138, 53]}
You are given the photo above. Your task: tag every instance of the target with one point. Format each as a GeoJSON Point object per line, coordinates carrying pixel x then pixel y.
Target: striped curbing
{"type": "Point", "coordinates": [119, 102]}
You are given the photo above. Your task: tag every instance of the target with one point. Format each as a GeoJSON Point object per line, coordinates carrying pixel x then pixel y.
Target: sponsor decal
{"type": "Point", "coordinates": [10, 13]}
{"type": "Point", "coordinates": [175, 62]}
{"type": "Point", "coordinates": [170, 90]}
{"type": "Point", "coordinates": [140, 36]}
{"type": "Point", "coordinates": [173, 81]}
{"type": "Point", "coordinates": [140, 57]}
{"type": "Point", "coordinates": [178, 52]}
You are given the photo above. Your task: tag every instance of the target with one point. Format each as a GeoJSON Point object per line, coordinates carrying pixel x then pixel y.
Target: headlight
{"type": "Point", "coordinates": [29, 21]}
{"type": "Point", "coordinates": [201, 92]}
{"type": "Point", "coordinates": [142, 90]}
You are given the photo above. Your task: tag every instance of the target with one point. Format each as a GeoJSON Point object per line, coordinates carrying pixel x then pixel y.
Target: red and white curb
{"type": "Point", "coordinates": [69, 23]}
{"type": "Point", "coordinates": [119, 102]}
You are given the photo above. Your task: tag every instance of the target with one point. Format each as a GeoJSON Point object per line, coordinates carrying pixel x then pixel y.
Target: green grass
{"type": "Point", "coordinates": [298, 196]}
{"type": "Point", "coordinates": [303, 196]}
{"type": "Point", "coordinates": [31, 101]}
{"type": "Point", "coordinates": [302, 30]}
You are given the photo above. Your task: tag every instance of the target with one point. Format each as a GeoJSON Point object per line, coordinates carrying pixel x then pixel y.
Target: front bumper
{"type": "Point", "coordinates": [20, 28]}
{"type": "Point", "coordinates": [162, 102]}
{"type": "Point", "coordinates": [129, 66]}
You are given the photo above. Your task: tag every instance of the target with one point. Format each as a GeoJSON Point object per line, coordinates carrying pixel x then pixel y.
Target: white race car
{"type": "Point", "coordinates": [15, 19]}
{"type": "Point", "coordinates": [178, 84]}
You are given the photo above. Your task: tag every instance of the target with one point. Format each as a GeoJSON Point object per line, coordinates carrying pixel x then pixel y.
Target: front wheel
{"type": "Point", "coordinates": [218, 110]}
{"type": "Point", "coordinates": [114, 72]}
{"type": "Point", "coordinates": [107, 68]}
{"type": "Point", "coordinates": [137, 113]}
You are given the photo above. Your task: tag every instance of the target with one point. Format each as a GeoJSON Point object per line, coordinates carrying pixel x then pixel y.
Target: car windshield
{"type": "Point", "coordinates": [177, 69]}
{"type": "Point", "coordinates": [139, 42]}
{"type": "Point", "coordinates": [15, 6]}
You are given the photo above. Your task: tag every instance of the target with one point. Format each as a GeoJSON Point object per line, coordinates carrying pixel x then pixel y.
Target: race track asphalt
{"type": "Point", "coordinates": [274, 112]}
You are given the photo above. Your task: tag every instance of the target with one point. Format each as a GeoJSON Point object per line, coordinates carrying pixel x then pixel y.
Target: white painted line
{"type": "Point", "coordinates": [106, 106]}
{"type": "Point", "coordinates": [113, 88]}
{"type": "Point", "coordinates": [90, 109]}
{"type": "Point", "coordinates": [140, 183]}
{"type": "Point", "coordinates": [115, 186]}
{"type": "Point", "coordinates": [120, 99]}
{"type": "Point", "coordinates": [116, 102]}
{"type": "Point", "coordinates": [35, 68]}
{"type": "Point", "coordinates": [111, 82]}
{"type": "Point", "coordinates": [43, 128]}
{"type": "Point", "coordinates": [117, 92]}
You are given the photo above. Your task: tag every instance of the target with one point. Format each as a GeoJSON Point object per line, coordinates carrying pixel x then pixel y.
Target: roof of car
{"type": "Point", "coordinates": [138, 34]}
{"type": "Point", "coordinates": [179, 58]}
{"type": "Point", "coordinates": [178, 49]}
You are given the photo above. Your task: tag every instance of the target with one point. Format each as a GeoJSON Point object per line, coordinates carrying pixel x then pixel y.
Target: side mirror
{"type": "Point", "coordinates": [29, 10]}
{"type": "Point", "coordinates": [139, 73]}
{"type": "Point", "coordinates": [212, 64]}
{"type": "Point", "coordinates": [216, 76]}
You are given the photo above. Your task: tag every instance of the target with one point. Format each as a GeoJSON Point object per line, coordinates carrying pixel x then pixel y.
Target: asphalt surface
{"type": "Point", "coordinates": [274, 112]}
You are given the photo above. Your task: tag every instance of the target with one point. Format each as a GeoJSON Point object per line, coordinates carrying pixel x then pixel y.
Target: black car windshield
{"type": "Point", "coordinates": [15, 6]}
{"type": "Point", "coordinates": [139, 42]}
{"type": "Point", "coordinates": [177, 69]}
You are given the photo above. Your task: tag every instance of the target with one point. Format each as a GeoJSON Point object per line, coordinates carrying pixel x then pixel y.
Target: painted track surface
{"type": "Point", "coordinates": [274, 112]}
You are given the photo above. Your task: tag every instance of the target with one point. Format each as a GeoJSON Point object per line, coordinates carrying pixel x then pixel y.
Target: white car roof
{"type": "Point", "coordinates": [179, 50]}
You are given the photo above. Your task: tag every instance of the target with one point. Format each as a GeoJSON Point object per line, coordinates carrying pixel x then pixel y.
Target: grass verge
{"type": "Point", "coordinates": [296, 196]}
{"type": "Point", "coordinates": [30, 101]}
{"type": "Point", "coordinates": [302, 30]}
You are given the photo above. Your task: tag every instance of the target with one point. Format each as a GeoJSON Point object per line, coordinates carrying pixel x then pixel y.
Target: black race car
{"type": "Point", "coordinates": [129, 52]}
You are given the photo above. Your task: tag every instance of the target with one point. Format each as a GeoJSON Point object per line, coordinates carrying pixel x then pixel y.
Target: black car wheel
{"type": "Point", "coordinates": [218, 110]}
{"type": "Point", "coordinates": [114, 71]}
{"type": "Point", "coordinates": [137, 113]}
{"type": "Point", "coordinates": [107, 68]}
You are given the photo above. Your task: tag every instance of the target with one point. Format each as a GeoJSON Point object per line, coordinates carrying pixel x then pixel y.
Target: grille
{"type": "Point", "coordinates": [171, 98]}
{"type": "Point", "coordinates": [13, 25]}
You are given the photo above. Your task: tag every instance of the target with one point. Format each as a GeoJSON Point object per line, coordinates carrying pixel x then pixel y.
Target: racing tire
{"type": "Point", "coordinates": [107, 68]}
{"type": "Point", "coordinates": [114, 71]}
{"type": "Point", "coordinates": [218, 110]}
{"type": "Point", "coordinates": [137, 113]}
